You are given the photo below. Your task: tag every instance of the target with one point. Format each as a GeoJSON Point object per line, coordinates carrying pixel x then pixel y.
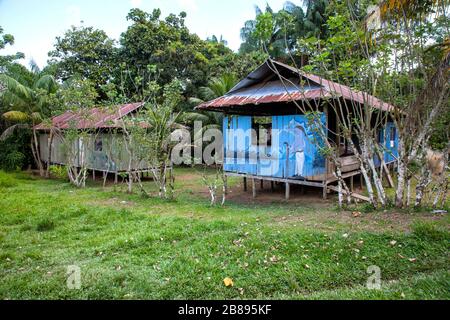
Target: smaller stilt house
{"type": "Point", "coordinates": [100, 148]}
{"type": "Point", "coordinates": [290, 151]}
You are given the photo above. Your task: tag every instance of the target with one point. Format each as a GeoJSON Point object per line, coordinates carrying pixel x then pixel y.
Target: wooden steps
{"type": "Point", "coordinates": [352, 194]}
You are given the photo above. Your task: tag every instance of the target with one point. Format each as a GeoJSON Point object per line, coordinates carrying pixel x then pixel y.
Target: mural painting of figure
{"type": "Point", "coordinates": [298, 146]}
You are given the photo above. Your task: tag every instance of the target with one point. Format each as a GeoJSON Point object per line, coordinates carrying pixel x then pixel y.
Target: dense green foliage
{"type": "Point", "coordinates": [85, 53]}
{"type": "Point", "coordinates": [284, 28]}
{"type": "Point", "coordinates": [15, 153]}
{"type": "Point", "coordinates": [7, 39]}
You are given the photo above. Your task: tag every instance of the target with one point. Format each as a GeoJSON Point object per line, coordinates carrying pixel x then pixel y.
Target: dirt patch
{"type": "Point", "coordinates": [304, 196]}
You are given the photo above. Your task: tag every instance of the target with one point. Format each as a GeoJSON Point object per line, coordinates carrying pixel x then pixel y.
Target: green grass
{"type": "Point", "coordinates": [131, 247]}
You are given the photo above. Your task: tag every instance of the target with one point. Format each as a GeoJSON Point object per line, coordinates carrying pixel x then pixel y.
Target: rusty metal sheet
{"type": "Point", "coordinates": [95, 118]}
{"type": "Point", "coordinates": [255, 89]}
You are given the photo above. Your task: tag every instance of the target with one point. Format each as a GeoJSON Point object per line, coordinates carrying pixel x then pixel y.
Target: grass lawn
{"type": "Point", "coordinates": [131, 247]}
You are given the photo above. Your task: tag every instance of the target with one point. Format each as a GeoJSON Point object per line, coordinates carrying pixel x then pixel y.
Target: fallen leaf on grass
{"type": "Point", "coordinates": [238, 243]}
{"type": "Point", "coordinates": [241, 291]}
{"type": "Point", "coordinates": [228, 282]}
{"type": "Point", "coordinates": [393, 243]}
{"type": "Point", "coordinates": [356, 214]}
{"type": "Point", "coordinates": [274, 259]}
{"type": "Point", "coordinates": [412, 260]}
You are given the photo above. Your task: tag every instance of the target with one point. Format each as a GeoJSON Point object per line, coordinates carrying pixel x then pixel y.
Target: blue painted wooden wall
{"type": "Point", "coordinates": [243, 157]}
{"type": "Point", "coordinates": [390, 134]}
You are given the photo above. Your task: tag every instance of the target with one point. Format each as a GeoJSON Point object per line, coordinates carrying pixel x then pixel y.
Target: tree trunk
{"type": "Point", "coordinates": [401, 176]}
{"type": "Point", "coordinates": [224, 188]}
{"type": "Point", "coordinates": [49, 158]}
{"type": "Point", "coordinates": [36, 153]}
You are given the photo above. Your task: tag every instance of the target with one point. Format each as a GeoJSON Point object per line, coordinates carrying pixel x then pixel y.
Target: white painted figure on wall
{"type": "Point", "coordinates": [298, 146]}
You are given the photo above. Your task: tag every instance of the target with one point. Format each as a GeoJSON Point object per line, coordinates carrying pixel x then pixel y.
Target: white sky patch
{"type": "Point", "coordinates": [52, 18]}
{"type": "Point", "coordinates": [188, 5]}
{"type": "Point", "coordinates": [73, 15]}
{"type": "Point", "coordinates": [136, 3]}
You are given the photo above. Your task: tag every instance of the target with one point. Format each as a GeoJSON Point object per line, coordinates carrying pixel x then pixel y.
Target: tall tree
{"type": "Point", "coordinates": [216, 87]}
{"type": "Point", "coordinates": [85, 53]}
{"type": "Point", "coordinates": [25, 103]}
{"type": "Point", "coordinates": [286, 26]}
{"type": "Point", "coordinates": [7, 39]}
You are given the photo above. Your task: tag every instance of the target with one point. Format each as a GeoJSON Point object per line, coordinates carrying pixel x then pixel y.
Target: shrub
{"type": "Point", "coordinates": [13, 161]}
{"type": "Point", "coordinates": [59, 172]}
{"type": "Point", "coordinates": [367, 208]}
{"type": "Point", "coordinates": [15, 151]}
{"type": "Point", "coordinates": [45, 225]}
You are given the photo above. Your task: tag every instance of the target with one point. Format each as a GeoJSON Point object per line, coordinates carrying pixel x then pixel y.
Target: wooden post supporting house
{"type": "Point", "coordinates": [116, 178]}
{"type": "Point", "coordinates": [288, 190]}
{"type": "Point", "coordinates": [254, 187]}
{"type": "Point", "coordinates": [245, 184]}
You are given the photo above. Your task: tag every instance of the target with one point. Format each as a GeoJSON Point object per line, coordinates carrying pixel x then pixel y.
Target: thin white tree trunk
{"type": "Point", "coordinates": [49, 158]}
{"type": "Point", "coordinates": [35, 144]}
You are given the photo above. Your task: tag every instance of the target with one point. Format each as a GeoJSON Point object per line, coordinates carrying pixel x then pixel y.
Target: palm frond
{"type": "Point", "coordinates": [16, 116]}
{"type": "Point", "coordinates": [15, 88]}
{"type": "Point", "coordinates": [47, 82]}
{"type": "Point", "coordinates": [9, 131]}
{"type": "Point", "coordinates": [195, 101]}
{"type": "Point", "coordinates": [190, 117]}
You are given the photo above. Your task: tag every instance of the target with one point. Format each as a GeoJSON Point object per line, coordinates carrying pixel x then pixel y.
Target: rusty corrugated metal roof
{"type": "Point", "coordinates": [259, 87]}
{"type": "Point", "coordinates": [95, 118]}
{"type": "Point", "coordinates": [339, 90]}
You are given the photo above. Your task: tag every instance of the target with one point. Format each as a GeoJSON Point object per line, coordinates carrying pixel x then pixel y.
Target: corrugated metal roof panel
{"type": "Point", "coordinates": [253, 90]}
{"type": "Point", "coordinates": [95, 118]}
{"type": "Point", "coordinates": [239, 100]}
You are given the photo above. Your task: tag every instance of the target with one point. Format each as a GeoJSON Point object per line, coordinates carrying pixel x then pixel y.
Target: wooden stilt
{"type": "Point", "coordinates": [388, 175]}
{"type": "Point", "coordinates": [254, 188]}
{"type": "Point", "coordinates": [262, 184]}
{"type": "Point", "coordinates": [116, 178]}
{"type": "Point", "coordinates": [288, 190]}
{"type": "Point", "coordinates": [352, 184]}
{"type": "Point", "coordinates": [325, 191]}
{"type": "Point", "coordinates": [245, 184]}
{"type": "Point", "coordinates": [93, 175]}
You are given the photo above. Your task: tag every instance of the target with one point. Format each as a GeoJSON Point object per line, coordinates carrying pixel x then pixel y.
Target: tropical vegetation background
{"type": "Point", "coordinates": [117, 70]}
{"type": "Point", "coordinates": [138, 245]}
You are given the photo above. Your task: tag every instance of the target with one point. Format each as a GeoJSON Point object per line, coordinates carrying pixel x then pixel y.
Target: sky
{"type": "Point", "coordinates": [36, 23]}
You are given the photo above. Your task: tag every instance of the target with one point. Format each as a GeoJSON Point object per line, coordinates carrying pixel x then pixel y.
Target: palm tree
{"type": "Point", "coordinates": [289, 24]}
{"type": "Point", "coordinates": [25, 102]}
{"type": "Point", "coordinates": [217, 87]}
